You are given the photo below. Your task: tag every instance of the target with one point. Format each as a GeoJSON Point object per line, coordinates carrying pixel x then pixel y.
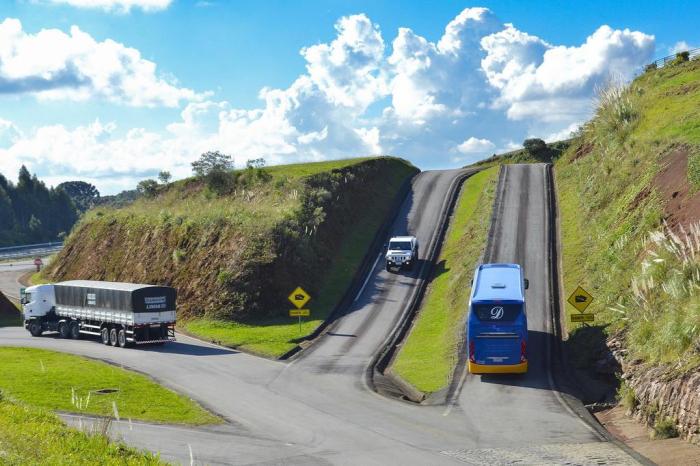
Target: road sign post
{"type": "Point", "coordinates": [38, 262]}
{"type": "Point", "coordinates": [299, 297]}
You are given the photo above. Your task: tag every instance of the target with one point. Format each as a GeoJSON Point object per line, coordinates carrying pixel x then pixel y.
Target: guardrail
{"type": "Point", "coordinates": [28, 250]}
{"type": "Point", "coordinates": [663, 61]}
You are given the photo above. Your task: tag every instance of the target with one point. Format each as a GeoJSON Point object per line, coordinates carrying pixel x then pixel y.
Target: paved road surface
{"type": "Point", "coordinates": [9, 276]}
{"type": "Point", "coordinates": [318, 409]}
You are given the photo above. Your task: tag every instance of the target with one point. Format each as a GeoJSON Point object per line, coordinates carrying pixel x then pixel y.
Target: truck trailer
{"type": "Point", "coordinates": [121, 314]}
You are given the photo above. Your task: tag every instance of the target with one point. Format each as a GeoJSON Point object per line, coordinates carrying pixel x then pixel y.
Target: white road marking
{"type": "Point", "coordinates": [369, 275]}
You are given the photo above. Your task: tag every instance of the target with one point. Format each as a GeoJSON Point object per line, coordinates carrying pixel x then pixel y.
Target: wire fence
{"type": "Point", "coordinates": [663, 61]}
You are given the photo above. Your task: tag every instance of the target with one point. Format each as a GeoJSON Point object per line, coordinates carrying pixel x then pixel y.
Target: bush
{"type": "Point", "coordinates": [681, 57]}
{"type": "Point", "coordinates": [665, 428]}
{"type": "Point", "coordinates": [650, 67]}
{"type": "Point", "coordinates": [220, 182]}
{"type": "Point", "coordinates": [626, 396]}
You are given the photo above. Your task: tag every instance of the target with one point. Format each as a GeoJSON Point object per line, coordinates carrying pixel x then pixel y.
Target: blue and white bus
{"type": "Point", "coordinates": [497, 323]}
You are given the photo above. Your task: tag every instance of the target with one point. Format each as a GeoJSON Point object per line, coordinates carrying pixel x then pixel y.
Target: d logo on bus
{"type": "Point", "coordinates": [496, 313]}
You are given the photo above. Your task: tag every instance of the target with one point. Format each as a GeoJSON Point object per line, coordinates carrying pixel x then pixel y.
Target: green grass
{"type": "Point", "coordinates": [428, 357]}
{"type": "Point", "coordinates": [35, 436]}
{"type": "Point", "coordinates": [274, 336]}
{"type": "Point", "coordinates": [58, 381]}
{"type": "Point", "coordinates": [643, 285]}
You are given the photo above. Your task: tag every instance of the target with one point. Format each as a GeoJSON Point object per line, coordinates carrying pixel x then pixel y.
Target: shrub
{"type": "Point", "coordinates": [694, 170]}
{"type": "Point", "coordinates": [221, 182]}
{"type": "Point", "coordinates": [665, 428]}
{"type": "Point", "coordinates": [626, 396]}
{"type": "Point", "coordinates": [650, 67]}
{"type": "Point", "coordinates": [681, 57]}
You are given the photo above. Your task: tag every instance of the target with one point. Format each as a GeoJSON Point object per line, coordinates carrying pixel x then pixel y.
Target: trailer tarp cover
{"type": "Point", "coordinates": [130, 297]}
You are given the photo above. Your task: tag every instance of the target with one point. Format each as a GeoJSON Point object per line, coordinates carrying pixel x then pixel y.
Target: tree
{"type": "Point", "coordinates": [536, 147]}
{"type": "Point", "coordinates": [255, 163]}
{"type": "Point", "coordinates": [164, 176]}
{"type": "Point", "coordinates": [210, 162]}
{"type": "Point", "coordinates": [148, 188]}
{"type": "Point", "coordinates": [84, 195]}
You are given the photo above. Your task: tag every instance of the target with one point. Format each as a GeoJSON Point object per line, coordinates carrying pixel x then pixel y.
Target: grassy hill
{"type": "Point", "coordinates": [629, 204]}
{"type": "Point", "coordinates": [235, 258]}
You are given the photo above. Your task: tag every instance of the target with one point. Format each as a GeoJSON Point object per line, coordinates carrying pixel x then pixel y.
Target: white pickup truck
{"type": "Point", "coordinates": [121, 314]}
{"type": "Point", "coordinates": [402, 251]}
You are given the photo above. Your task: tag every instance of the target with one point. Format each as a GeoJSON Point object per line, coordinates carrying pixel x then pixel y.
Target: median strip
{"type": "Point", "coordinates": [429, 354]}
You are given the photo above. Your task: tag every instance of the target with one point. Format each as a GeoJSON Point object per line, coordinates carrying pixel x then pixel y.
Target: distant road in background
{"type": "Point", "coordinates": [30, 250]}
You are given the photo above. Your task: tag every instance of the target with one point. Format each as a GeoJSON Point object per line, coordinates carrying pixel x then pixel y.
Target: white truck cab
{"type": "Point", "coordinates": [38, 301]}
{"type": "Point", "coordinates": [402, 252]}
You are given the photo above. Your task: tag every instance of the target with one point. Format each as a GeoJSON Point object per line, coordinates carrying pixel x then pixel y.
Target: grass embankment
{"type": "Point", "coordinates": [428, 357]}
{"type": "Point", "coordinates": [616, 185]}
{"type": "Point", "coordinates": [58, 381]}
{"type": "Point", "coordinates": [9, 312]}
{"type": "Point", "coordinates": [235, 256]}
{"type": "Point", "coordinates": [274, 336]}
{"type": "Point", "coordinates": [35, 436]}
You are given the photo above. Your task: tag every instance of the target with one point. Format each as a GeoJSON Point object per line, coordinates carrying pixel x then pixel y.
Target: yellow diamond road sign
{"type": "Point", "coordinates": [580, 299]}
{"type": "Point", "coordinates": [299, 297]}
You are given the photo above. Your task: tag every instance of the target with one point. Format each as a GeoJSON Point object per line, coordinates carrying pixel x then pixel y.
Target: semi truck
{"type": "Point", "coordinates": [121, 314]}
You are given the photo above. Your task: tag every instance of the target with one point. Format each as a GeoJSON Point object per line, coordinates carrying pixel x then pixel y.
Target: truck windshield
{"type": "Point", "coordinates": [27, 298]}
{"type": "Point", "coordinates": [400, 245]}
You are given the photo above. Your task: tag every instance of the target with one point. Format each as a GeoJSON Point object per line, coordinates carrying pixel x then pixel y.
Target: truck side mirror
{"type": "Point", "coordinates": [527, 283]}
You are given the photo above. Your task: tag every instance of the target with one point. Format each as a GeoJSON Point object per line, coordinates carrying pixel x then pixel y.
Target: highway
{"type": "Point", "coordinates": [320, 409]}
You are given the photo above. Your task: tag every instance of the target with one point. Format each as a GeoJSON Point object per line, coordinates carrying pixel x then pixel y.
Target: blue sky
{"type": "Point", "coordinates": [225, 52]}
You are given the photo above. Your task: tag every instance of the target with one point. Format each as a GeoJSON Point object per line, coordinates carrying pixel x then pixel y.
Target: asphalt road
{"type": "Point", "coordinates": [318, 409]}
{"type": "Point", "coordinates": [9, 275]}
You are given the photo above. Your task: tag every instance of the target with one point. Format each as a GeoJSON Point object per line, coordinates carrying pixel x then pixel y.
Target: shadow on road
{"type": "Point", "coordinates": [178, 347]}
{"type": "Point", "coordinates": [538, 374]}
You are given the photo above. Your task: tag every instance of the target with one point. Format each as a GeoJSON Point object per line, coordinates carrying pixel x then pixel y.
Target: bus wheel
{"type": "Point", "coordinates": [113, 337]}
{"type": "Point", "coordinates": [63, 330]}
{"type": "Point", "coordinates": [74, 330]}
{"type": "Point", "coordinates": [35, 328]}
{"type": "Point", "coordinates": [121, 338]}
{"type": "Point", "coordinates": [104, 333]}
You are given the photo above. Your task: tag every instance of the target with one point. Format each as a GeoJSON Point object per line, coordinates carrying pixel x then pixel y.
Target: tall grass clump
{"type": "Point", "coordinates": [663, 305]}
{"type": "Point", "coordinates": [615, 115]}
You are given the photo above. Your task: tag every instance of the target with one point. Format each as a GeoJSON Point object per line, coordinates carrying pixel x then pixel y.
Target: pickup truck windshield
{"type": "Point", "coordinates": [400, 245]}
{"type": "Point", "coordinates": [26, 299]}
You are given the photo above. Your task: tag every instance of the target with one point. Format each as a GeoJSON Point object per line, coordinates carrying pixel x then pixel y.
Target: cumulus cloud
{"type": "Point", "coordinates": [54, 65]}
{"type": "Point", "coordinates": [681, 46]}
{"type": "Point", "coordinates": [475, 146]}
{"type": "Point", "coordinates": [536, 79]}
{"type": "Point", "coordinates": [360, 94]}
{"type": "Point", "coordinates": [119, 6]}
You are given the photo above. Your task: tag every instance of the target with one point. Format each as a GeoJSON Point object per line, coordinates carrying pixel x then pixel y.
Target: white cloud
{"type": "Point", "coordinates": [417, 99]}
{"type": "Point", "coordinates": [555, 83]}
{"type": "Point", "coordinates": [680, 46]}
{"type": "Point", "coordinates": [54, 65]}
{"type": "Point", "coordinates": [119, 6]}
{"type": "Point", "coordinates": [475, 146]}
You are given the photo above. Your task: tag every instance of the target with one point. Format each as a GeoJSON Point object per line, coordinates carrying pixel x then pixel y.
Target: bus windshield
{"type": "Point", "coordinates": [497, 312]}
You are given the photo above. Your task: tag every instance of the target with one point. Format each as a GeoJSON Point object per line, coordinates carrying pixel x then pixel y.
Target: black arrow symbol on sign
{"type": "Point", "coordinates": [579, 298]}
{"type": "Point", "coordinates": [299, 297]}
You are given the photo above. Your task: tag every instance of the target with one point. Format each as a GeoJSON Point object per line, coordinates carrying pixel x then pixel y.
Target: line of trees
{"type": "Point", "coordinates": [32, 213]}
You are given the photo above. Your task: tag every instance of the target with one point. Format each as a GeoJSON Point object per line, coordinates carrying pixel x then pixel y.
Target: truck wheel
{"type": "Point", "coordinates": [63, 330]}
{"type": "Point", "coordinates": [35, 328]}
{"type": "Point", "coordinates": [74, 330]}
{"type": "Point", "coordinates": [104, 333]}
{"type": "Point", "coordinates": [121, 338]}
{"type": "Point", "coordinates": [113, 337]}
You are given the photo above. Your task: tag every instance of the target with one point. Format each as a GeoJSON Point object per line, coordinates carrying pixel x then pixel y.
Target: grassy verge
{"type": "Point", "coordinates": [274, 336]}
{"type": "Point", "coordinates": [34, 436]}
{"type": "Point", "coordinates": [57, 381]}
{"type": "Point", "coordinates": [643, 276]}
{"type": "Point", "coordinates": [428, 357]}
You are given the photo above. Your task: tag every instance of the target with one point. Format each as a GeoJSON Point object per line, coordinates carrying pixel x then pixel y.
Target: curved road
{"type": "Point", "coordinates": [319, 410]}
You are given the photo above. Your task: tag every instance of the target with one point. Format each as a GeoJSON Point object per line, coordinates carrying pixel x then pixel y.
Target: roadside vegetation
{"type": "Point", "coordinates": [629, 206]}
{"type": "Point", "coordinates": [62, 382]}
{"type": "Point", "coordinates": [9, 313]}
{"type": "Point", "coordinates": [235, 243]}
{"type": "Point", "coordinates": [35, 436]}
{"type": "Point", "coordinates": [534, 150]}
{"type": "Point", "coordinates": [428, 357]}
